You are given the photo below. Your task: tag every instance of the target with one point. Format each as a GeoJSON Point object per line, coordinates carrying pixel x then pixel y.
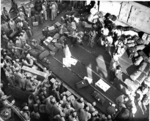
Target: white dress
{"type": "Point", "coordinates": [44, 11]}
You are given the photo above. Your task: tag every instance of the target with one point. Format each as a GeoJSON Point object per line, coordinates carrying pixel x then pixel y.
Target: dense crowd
{"type": "Point", "coordinates": [49, 98]}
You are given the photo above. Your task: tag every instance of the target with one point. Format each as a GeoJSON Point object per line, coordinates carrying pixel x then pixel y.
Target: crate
{"type": "Point", "coordinates": [35, 23]}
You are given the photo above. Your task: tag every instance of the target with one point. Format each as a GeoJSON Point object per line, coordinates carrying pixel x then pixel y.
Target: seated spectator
{"type": "Point", "coordinates": [30, 84]}
{"type": "Point", "coordinates": [26, 113]}
{"type": "Point", "coordinates": [19, 79]}
{"type": "Point", "coordinates": [29, 60]}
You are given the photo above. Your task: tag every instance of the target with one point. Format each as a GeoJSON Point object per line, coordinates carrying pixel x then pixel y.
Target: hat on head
{"type": "Point", "coordinates": [26, 108]}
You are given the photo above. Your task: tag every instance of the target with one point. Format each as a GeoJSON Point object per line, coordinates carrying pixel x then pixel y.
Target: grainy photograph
{"type": "Point", "coordinates": [75, 60]}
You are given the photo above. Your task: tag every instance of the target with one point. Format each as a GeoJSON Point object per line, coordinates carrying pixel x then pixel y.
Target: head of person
{"type": "Point", "coordinates": [74, 114]}
{"type": "Point", "coordinates": [94, 103]}
{"type": "Point", "coordinates": [81, 100]}
{"type": "Point", "coordinates": [4, 8]}
{"type": "Point", "coordinates": [53, 100]}
{"type": "Point", "coordinates": [28, 55]}
{"type": "Point", "coordinates": [118, 67]}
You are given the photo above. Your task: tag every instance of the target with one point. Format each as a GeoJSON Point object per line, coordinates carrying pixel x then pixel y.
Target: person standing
{"type": "Point", "coordinates": [5, 15]}
{"type": "Point", "coordinates": [12, 25]}
{"type": "Point", "coordinates": [44, 7]}
{"type": "Point", "coordinates": [54, 10]}
{"type": "Point", "coordinates": [38, 6]}
{"type": "Point", "coordinates": [14, 7]}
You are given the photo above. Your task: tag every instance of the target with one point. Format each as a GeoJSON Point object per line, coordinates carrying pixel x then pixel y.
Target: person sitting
{"type": "Point", "coordinates": [29, 60]}
{"type": "Point", "coordinates": [30, 84]}
{"type": "Point", "coordinates": [26, 113]}
{"type": "Point", "coordinates": [19, 78]}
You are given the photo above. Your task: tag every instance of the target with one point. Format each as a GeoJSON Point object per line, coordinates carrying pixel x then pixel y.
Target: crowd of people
{"type": "Point", "coordinates": [49, 98]}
